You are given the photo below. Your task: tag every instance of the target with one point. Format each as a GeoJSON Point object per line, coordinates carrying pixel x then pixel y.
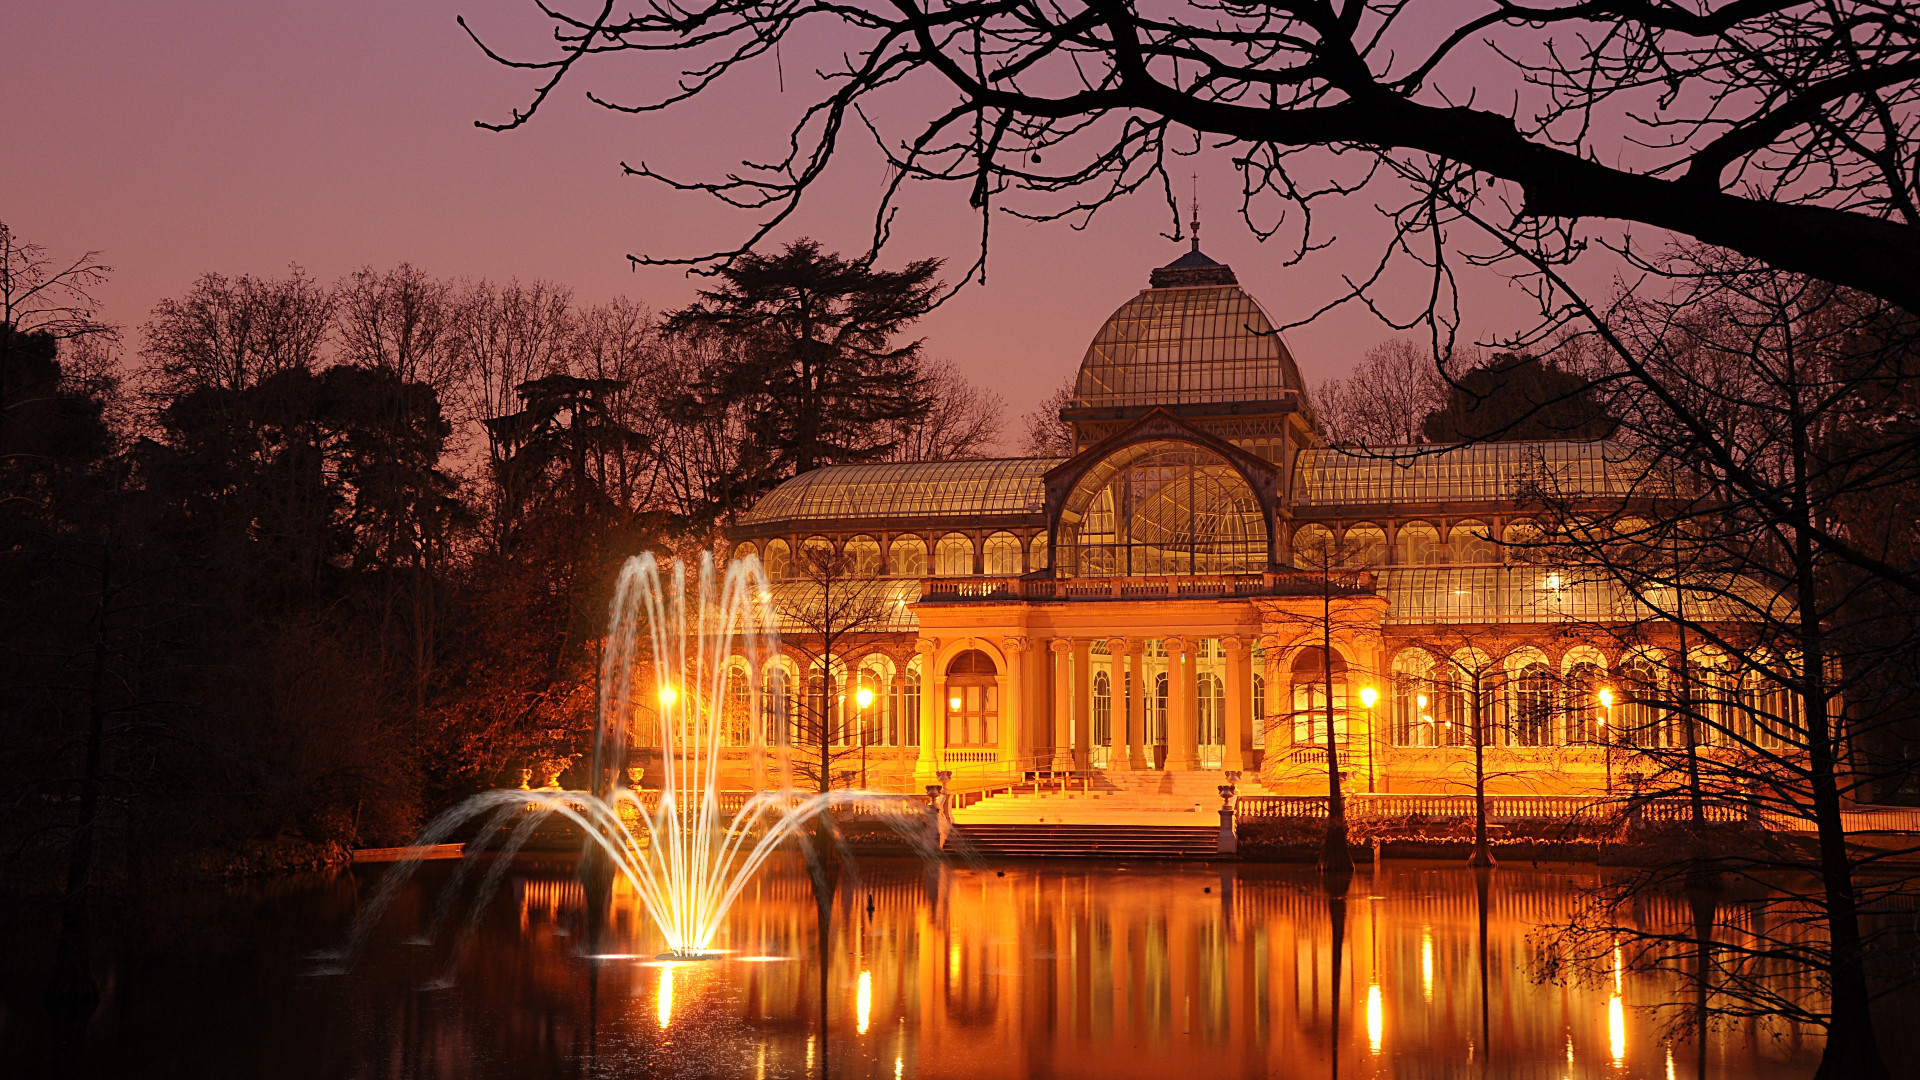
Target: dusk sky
{"type": "Point", "coordinates": [178, 138]}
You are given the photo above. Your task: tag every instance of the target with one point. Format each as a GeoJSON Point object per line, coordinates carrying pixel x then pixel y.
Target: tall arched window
{"type": "Point", "coordinates": [1313, 547]}
{"type": "Point", "coordinates": [1584, 712]}
{"type": "Point", "coordinates": [1412, 721]}
{"type": "Point", "coordinates": [1157, 720]}
{"type": "Point", "coordinates": [1102, 709]}
{"type": "Point", "coordinates": [1641, 717]}
{"type": "Point", "coordinates": [1310, 685]}
{"type": "Point", "coordinates": [1164, 508]}
{"type": "Point", "coordinates": [1211, 725]}
{"type": "Point", "coordinates": [1002, 554]}
{"type": "Point", "coordinates": [954, 556]}
{"type": "Point", "coordinates": [744, 551]}
{"type": "Point", "coordinates": [906, 691]}
{"type": "Point", "coordinates": [1037, 552]}
{"type": "Point", "coordinates": [907, 557]}
{"type": "Point", "coordinates": [1531, 719]}
{"type": "Point", "coordinates": [737, 708]}
{"type": "Point", "coordinates": [972, 706]}
{"type": "Point", "coordinates": [776, 708]}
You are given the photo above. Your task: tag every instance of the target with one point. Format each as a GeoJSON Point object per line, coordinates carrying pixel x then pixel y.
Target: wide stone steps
{"type": "Point", "coordinates": [1009, 841]}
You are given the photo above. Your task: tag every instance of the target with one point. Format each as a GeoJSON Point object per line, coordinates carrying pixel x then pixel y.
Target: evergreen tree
{"type": "Point", "coordinates": [811, 349]}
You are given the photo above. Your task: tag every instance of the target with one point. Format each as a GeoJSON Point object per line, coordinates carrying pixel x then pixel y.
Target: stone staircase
{"type": "Point", "coordinates": [1033, 841]}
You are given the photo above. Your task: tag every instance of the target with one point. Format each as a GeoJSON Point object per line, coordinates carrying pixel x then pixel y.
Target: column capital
{"type": "Point", "coordinates": [1061, 645]}
{"type": "Point", "coordinates": [1117, 645]}
{"type": "Point", "coordinates": [927, 646]}
{"type": "Point", "coordinates": [1015, 645]}
{"type": "Point", "coordinates": [1175, 645]}
{"type": "Point", "coordinates": [1232, 645]}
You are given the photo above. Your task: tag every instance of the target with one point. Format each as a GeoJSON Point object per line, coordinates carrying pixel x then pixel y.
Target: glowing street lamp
{"type": "Point", "coordinates": [1368, 695]}
{"type": "Point", "coordinates": [668, 695]}
{"type": "Point", "coordinates": [1606, 732]}
{"type": "Point", "coordinates": [863, 697]}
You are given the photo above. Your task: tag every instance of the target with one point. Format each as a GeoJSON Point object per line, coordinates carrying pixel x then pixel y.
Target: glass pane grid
{"type": "Point", "coordinates": [1481, 472]}
{"type": "Point", "coordinates": [1187, 345]}
{"type": "Point", "coordinates": [1440, 595]}
{"type": "Point", "coordinates": [908, 489]}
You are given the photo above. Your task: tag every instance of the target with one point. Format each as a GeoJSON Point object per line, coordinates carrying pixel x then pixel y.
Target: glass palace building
{"type": "Point", "coordinates": [1150, 603]}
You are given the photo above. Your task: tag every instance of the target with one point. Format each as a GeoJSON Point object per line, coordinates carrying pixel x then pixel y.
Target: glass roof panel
{"type": "Point", "coordinates": [1430, 595]}
{"type": "Point", "coordinates": [1185, 346]}
{"type": "Point", "coordinates": [879, 606]}
{"type": "Point", "coordinates": [934, 489]}
{"type": "Point", "coordinates": [1480, 472]}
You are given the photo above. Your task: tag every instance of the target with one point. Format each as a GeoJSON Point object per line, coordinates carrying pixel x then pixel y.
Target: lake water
{"type": "Point", "coordinates": [1025, 970]}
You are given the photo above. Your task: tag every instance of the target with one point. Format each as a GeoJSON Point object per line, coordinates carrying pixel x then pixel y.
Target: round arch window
{"type": "Point", "coordinates": [972, 707]}
{"type": "Point", "coordinates": [1174, 509]}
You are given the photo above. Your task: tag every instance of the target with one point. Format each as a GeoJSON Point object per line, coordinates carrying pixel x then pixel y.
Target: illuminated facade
{"type": "Point", "coordinates": [1156, 602]}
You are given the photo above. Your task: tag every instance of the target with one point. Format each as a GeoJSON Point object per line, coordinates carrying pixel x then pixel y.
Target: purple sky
{"type": "Point", "coordinates": [233, 136]}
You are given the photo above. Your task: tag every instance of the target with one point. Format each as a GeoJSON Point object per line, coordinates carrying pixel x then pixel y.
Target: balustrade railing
{"type": "Point", "coordinates": [1213, 586]}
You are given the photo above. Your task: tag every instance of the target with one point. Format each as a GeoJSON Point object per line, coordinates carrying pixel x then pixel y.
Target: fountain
{"type": "Point", "coordinates": [684, 858]}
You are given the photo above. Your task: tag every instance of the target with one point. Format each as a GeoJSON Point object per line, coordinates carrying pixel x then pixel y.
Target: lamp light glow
{"type": "Point", "coordinates": [1368, 695]}
{"type": "Point", "coordinates": [954, 703]}
{"type": "Point", "coordinates": [1606, 697]}
{"type": "Point", "coordinates": [864, 696]}
{"type": "Point", "coordinates": [668, 695]}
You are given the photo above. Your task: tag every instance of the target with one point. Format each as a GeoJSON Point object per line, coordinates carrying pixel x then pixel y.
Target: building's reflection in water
{"type": "Point", "coordinates": [1179, 972]}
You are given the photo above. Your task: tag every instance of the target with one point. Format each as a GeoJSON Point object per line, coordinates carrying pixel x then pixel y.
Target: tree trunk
{"type": "Point", "coordinates": [1482, 853]}
{"type": "Point", "coordinates": [1334, 856]}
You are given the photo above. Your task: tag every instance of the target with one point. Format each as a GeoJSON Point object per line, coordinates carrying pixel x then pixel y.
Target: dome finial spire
{"type": "Point", "coordinates": [1196, 211]}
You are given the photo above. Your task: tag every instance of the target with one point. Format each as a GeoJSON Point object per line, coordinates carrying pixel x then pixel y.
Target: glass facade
{"type": "Point", "coordinates": [906, 489]}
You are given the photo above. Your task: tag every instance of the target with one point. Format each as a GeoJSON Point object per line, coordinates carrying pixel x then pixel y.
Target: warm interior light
{"type": "Point", "coordinates": [1606, 696]}
{"type": "Point", "coordinates": [1368, 695]}
{"type": "Point", "coordinates": [1421, 700]}
{"type": "Point", "coordinates": [954, 703]}
{"type": "Point", "coordinates": [864, 696]}
{"type": "Point", "coordinates": [668, 695]}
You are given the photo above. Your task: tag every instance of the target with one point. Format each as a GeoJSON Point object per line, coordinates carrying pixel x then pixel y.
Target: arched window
{"type": "Point", "coordinates": [1163, 508]}
{"type": "Point", "coordinates": [1313, 547]}
{"type": "Point", "coordinates": [1037, 552]}
{"type": "Point", "coordinates": [1585, 679]}
{"type": "Point", "coordinates": [1471, 542]}
{"type": "Point", "coordinates": [907, 557]}
{"type": "Point", "coordinates": [973, 707]}
{"type": "Point", "coordinates": [776, 708]}
{"type": "Point", "coordinates": [1365, 546]}
{"type": "Point", "coordinates": [1259, 707]}
{"type": "Point", "coordinates": [1412, 721]}
{"type": "Point", "coordinates": [816, 559]}
{"type": "Point", "coordinates": [954, 556]}
{"type": "Point", "coordinates": [1157, 719]}
{"type": "Point", "coordinates": [1211, 725]}
{"type": "Point", "coordinates": [863, 557]}
{"type": "Point", "coordinates": [737, 708]}
{"type": "Point", "coordinates": [1310, 684]}
{"type": "Point", "coordinates": [906, 705]}
{"type": "Point", "coordinates": [1002, 554]}
{"type": "Point", "coordinates": [1102, 709]}
{"type": "Point", "coordinates": [1531, 716]}
{"type": "Point", "coordinates": [744, 551]}
{"type": "Point", "coordinates": [778, 560]}
{"type": "Point", "coordinates": [1640, 714]}
{"type": "Point", "coordinates": [1419, 545]}
{"type": "Point", "coordinates": [1522, 541]}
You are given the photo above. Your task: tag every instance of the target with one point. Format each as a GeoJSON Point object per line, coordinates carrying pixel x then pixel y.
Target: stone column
{"type": "Point", "coordinates": [1082, 703]}
{"type": "Point", "coordinates": [933, 710]}
{"type": "Point", "coordinates": [1137, 706]}
{"type": "Point", "coordinates": [1274, 697]}
{"type": "Point", "coordinates": [1062, 704]}
{"type": "Point", "coordinates": [1013, 700]}
{"type": "Point", "coordinates": [1121, 737]}
{"type": "Point", "coordinates": [1239, 726]}
{"type": "Point", "coordinates": [1180, 733]}
{"type": "Point", "coordinates": [1190, 686]}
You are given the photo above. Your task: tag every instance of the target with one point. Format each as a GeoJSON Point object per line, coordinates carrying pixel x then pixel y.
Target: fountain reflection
{"type": "Point", "coordinates": [1107, 971]}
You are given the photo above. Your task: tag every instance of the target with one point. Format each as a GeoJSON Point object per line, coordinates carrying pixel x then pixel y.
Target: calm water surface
{"type": "Point", "coordinates": [1052, 970]}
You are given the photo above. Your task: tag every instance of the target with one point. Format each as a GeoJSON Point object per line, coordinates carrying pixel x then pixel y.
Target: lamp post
{"type": "Point", "coordinates": [1606, 733]}
{"type": "Point", "coordinates": [862, 698]}
{"type": "Point", "coordinates": [1368, 695]}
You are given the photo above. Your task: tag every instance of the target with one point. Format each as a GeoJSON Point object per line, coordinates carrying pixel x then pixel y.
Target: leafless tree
{"type": "Point", "coordinates": [962, 420]}
{"type": "Point", "coordinates": [1385, 401]}
{"type": "Point", "coordinates": [830, 609]}
{"type": "Point", "coordinates": [1781, 129]}
{"type": "Point", "coordinates": [402, 320]}
{"type": "Point", "coordinates": [1046, 434]}
{"type": "Point", "coordinates": [230, 333]}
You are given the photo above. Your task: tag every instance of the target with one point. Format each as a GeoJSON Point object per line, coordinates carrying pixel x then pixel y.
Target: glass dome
{"type": "Point", "coordinates": [1187, 345]}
